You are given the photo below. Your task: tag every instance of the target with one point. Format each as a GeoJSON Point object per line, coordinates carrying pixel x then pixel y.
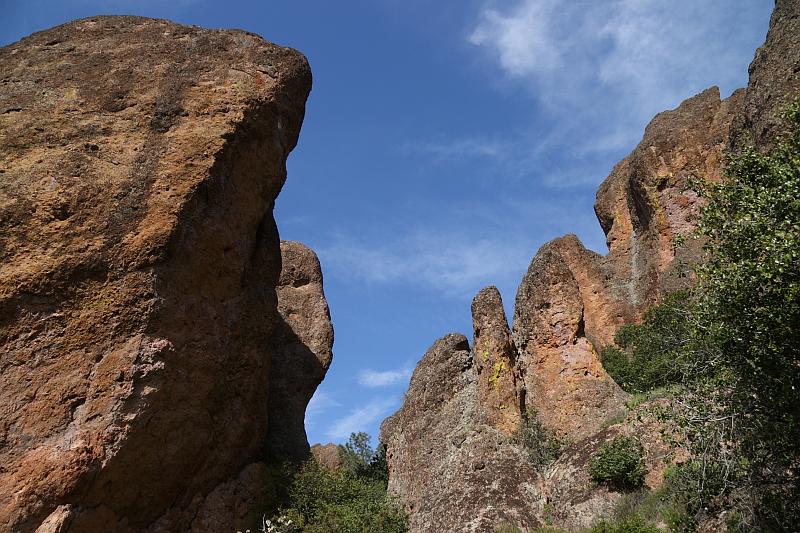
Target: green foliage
{"type": "Point", "coordinates": [360, 460]}
{"type": "Point", "coordinates": [541, 445]}
{"type": "Point", "coordinates": [351, 499]}
{"type": "Point", "coordinates": [649, 355]}
{"type": "Point", "coordinates": [619, 463]}
{"type": "Point", "coordinates": [750, 306]}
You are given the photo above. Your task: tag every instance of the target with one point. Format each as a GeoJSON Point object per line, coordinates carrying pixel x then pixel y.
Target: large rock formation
{"type": "Point", "coordinates": [453, 468]}
{"type": "Point", "coordinates": [300, 348]}
{"type": "Point", "coordinates": [495, 362]}
{"type": "Point", "coordinates": [139, 165]}
{"type": "Point", "coordinates": [568, 306]}
{"type": "Point", "coordinates": [774, 79]}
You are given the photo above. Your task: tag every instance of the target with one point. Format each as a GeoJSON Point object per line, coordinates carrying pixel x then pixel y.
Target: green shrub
{"type": "Point", "coordinates": [541, 445]}
{"type": "Point", "coordinates": [359, 459]}
{"type": "Point", "coordinates": [651, 354]}
{"type": "Point", "coordinates": [323, 500]}
{"type": "Point", "coordinates": [351, 499]}
{"type": "Point", "coordinates": [619, 463]}
{"type": "Point", "coordinates": [750, 305]}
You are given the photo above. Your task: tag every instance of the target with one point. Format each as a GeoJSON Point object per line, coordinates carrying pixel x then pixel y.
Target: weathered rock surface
{"type": "Point", "coordinates": [452, 467]}
{"type": "Point", "coordinates": [301, 350]}
{"type": "Point", "coordinates": [139, 259]}
{"type": "Point", "coordinates": [562, 375]}
{"type": "Point", "coordinates": [644, 203]}
{"type": "Point", "coordinates": [569, 305]}
{"type": "Point", "coordinates": [495, 362]}
{"type": "Point", "coordinates": [574, 500]}
{"type": "Point", "coordinates": [774, 79]}
{"type": "Point", "coordinates": [327, 455]}
{"type": "Point", "coordinates": [572, 300]}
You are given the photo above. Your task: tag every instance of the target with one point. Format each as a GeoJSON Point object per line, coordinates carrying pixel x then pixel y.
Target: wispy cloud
{"type": "Point", "coordinates": [462, 148]}
{"type": "Point", "coordinates": [320, 403]}
{"type": "Point", "coordinates": [386, 378]}
{"type": "Point", "coordinates": [362, 418]}
{"type": "Point", "coordinates": [603, 69]}
{"type": "Point", "coordinates": [450, 262]}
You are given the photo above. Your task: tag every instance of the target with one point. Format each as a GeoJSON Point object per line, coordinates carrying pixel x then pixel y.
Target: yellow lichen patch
{"type": "Point", "coordinates": [497, 369]}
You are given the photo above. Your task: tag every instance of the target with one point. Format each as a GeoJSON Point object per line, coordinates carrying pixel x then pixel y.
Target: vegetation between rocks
{"type": "Point", "coordinates": [731, 345]}
{"type": "Point", "coordinates": [349, 499]}
{"type": "Point", "coordinates": [541, 445]}
{"type": "Point", "coordinates": [620, 463]}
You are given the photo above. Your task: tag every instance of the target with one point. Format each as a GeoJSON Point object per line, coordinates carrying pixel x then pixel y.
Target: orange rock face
{"type": "Point", "coordinates": [572, 301]}
{"type": "Point", "coordinates": [139, 261]}
{"type": "Point", "coordinates": [495, 362]}
{"type": "Point", "coordinates": [569, 305]}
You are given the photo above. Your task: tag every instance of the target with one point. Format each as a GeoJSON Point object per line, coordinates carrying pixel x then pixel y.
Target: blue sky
{"type": "Point", "coordinates": [444, 142]}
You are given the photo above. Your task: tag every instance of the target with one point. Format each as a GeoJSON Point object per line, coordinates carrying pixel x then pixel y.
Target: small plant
{"type": "Point", "coordinates": [619, 463]}
{"type": "Point", "coordinates": [542, 446]}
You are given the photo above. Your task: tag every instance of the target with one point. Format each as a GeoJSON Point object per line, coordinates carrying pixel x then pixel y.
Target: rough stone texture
{"type": "Point", "coordinates": [562, 374]}
{"type": "Point", "coordinates": [301, 349]}
{"type": "Point", "coordinates": [139, 164]}
{"type": "Point", "coordinates": [572, 300]}
{"type": "Point", "coordinates": [644, 204]}
{"type": "Point", "coordinates": [451, 467]}
{"type": "Point", "coordinates": [575, 501]}
{"type": "Point", "coordinates": [327, 455]}
{"type": "Point", "coordinates": [774, 79]}
{"type": "Point", "coordinates": [495, 362]}
{"type": "Point", "coordinates": [569, 305]}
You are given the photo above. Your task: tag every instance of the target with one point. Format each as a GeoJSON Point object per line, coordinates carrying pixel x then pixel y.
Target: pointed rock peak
{"type": "Point", "coordinates": [487, 307]}
{"type": "Point", "coordinates": [495, 361]}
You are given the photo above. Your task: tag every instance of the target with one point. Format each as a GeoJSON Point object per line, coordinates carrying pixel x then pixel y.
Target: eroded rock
{"type": "Point", "coordinates": [327, 455]}
{"type": "Point", "coordinates": [569, 305]}
{"type": "Point", "coordinates": [453, 469]}
{"type": "Point", "coordinates": [301, 350]}
{"type": "Point", "coordinates": [774, 80]}
{"type": "Point", "coordinates": [138, 265]}
{"type": "Point", "coordinates": [495, 359]}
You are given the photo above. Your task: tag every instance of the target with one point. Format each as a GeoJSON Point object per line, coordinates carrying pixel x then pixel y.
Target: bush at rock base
{"type": "Point", "coordinates": [619, 463]}
{"type": "Point", "coordinates": [351, 499]}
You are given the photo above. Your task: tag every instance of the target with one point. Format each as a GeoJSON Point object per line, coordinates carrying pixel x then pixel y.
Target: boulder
{"type": "Point", "coordinates": [139, 259]}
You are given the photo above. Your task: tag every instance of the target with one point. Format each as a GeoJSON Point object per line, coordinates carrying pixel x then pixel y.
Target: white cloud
{"type": "Point", "coordinates": [362, 418]}
{"type": "Point", "coordinates": [461, 148]}
{"type": "Point", "coordinates": [524, 39]}
{"type": "Point", "coordinates": [320, 403]}
{"type": "Point", "coordinates": [375, 379]}
{"type": "Point", "coordinates": [451, 262]}
{"type": "Point", "coordinates": [602, 70]}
